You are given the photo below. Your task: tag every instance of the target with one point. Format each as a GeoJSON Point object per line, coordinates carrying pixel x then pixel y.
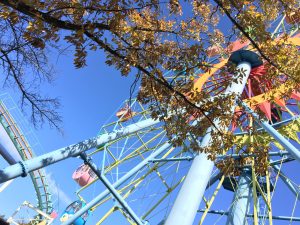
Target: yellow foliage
{"type": "Point", "coordinates": [153, 38]}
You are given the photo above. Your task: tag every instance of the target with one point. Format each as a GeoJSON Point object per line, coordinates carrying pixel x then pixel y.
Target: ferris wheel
{"type": "Point", "coordinates": [145, 180]}
{"type": "Point", "coordinates": [142, 173]}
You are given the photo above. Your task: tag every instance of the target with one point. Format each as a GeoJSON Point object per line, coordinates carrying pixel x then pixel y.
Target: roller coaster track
{"type": "Point", "coordinates": [38, 177]}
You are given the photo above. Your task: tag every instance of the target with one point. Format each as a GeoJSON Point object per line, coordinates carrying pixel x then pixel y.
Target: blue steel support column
{"type": "Point", "coordinates": [24, 167]}
{"type": "Point", "coordinates": [241, 200]}
{"type": "Point", "coordinates": [189, 197]}
{"type": "Point", "coordinates": [123, 179]}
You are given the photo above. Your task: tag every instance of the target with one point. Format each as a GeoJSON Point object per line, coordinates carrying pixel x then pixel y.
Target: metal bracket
{"type": "Point", "coordinates": [24, 169]}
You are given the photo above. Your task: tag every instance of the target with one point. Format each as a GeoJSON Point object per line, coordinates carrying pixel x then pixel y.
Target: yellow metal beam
{"type": "Point", "coordinates": [209, 203]}
{"type": "Point", "coordinates": [262, 193]}
{"type": "Point", "coordinates": [269, 196]}
{"type": "Point", "coordinates": [109, 212]}
{"type": "Point", "coordinates": [255, 222]}
{"type": "Point", "coordinates": [163, 197]}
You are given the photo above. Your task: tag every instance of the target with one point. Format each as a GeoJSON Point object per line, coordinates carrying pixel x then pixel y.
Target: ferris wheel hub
{"type": "Point", "coordinates": [251, 57]}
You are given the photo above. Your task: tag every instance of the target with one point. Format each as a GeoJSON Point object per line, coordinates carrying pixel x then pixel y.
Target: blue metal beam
{"type": "Point", "coordinates": [282, 160]}
{"type": "Point", "coordinates": [111, 188]}
{"type": "Point", "coordinates": [275, 125]}
{"type": "Point", "coordinates": [235, 156]}
{"type": "Point", "coordinates": [189, 158]}
{"type": "Point", "coordinates": [24, 167]}
{"type": "Point", "coordinates": [221, 212]}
